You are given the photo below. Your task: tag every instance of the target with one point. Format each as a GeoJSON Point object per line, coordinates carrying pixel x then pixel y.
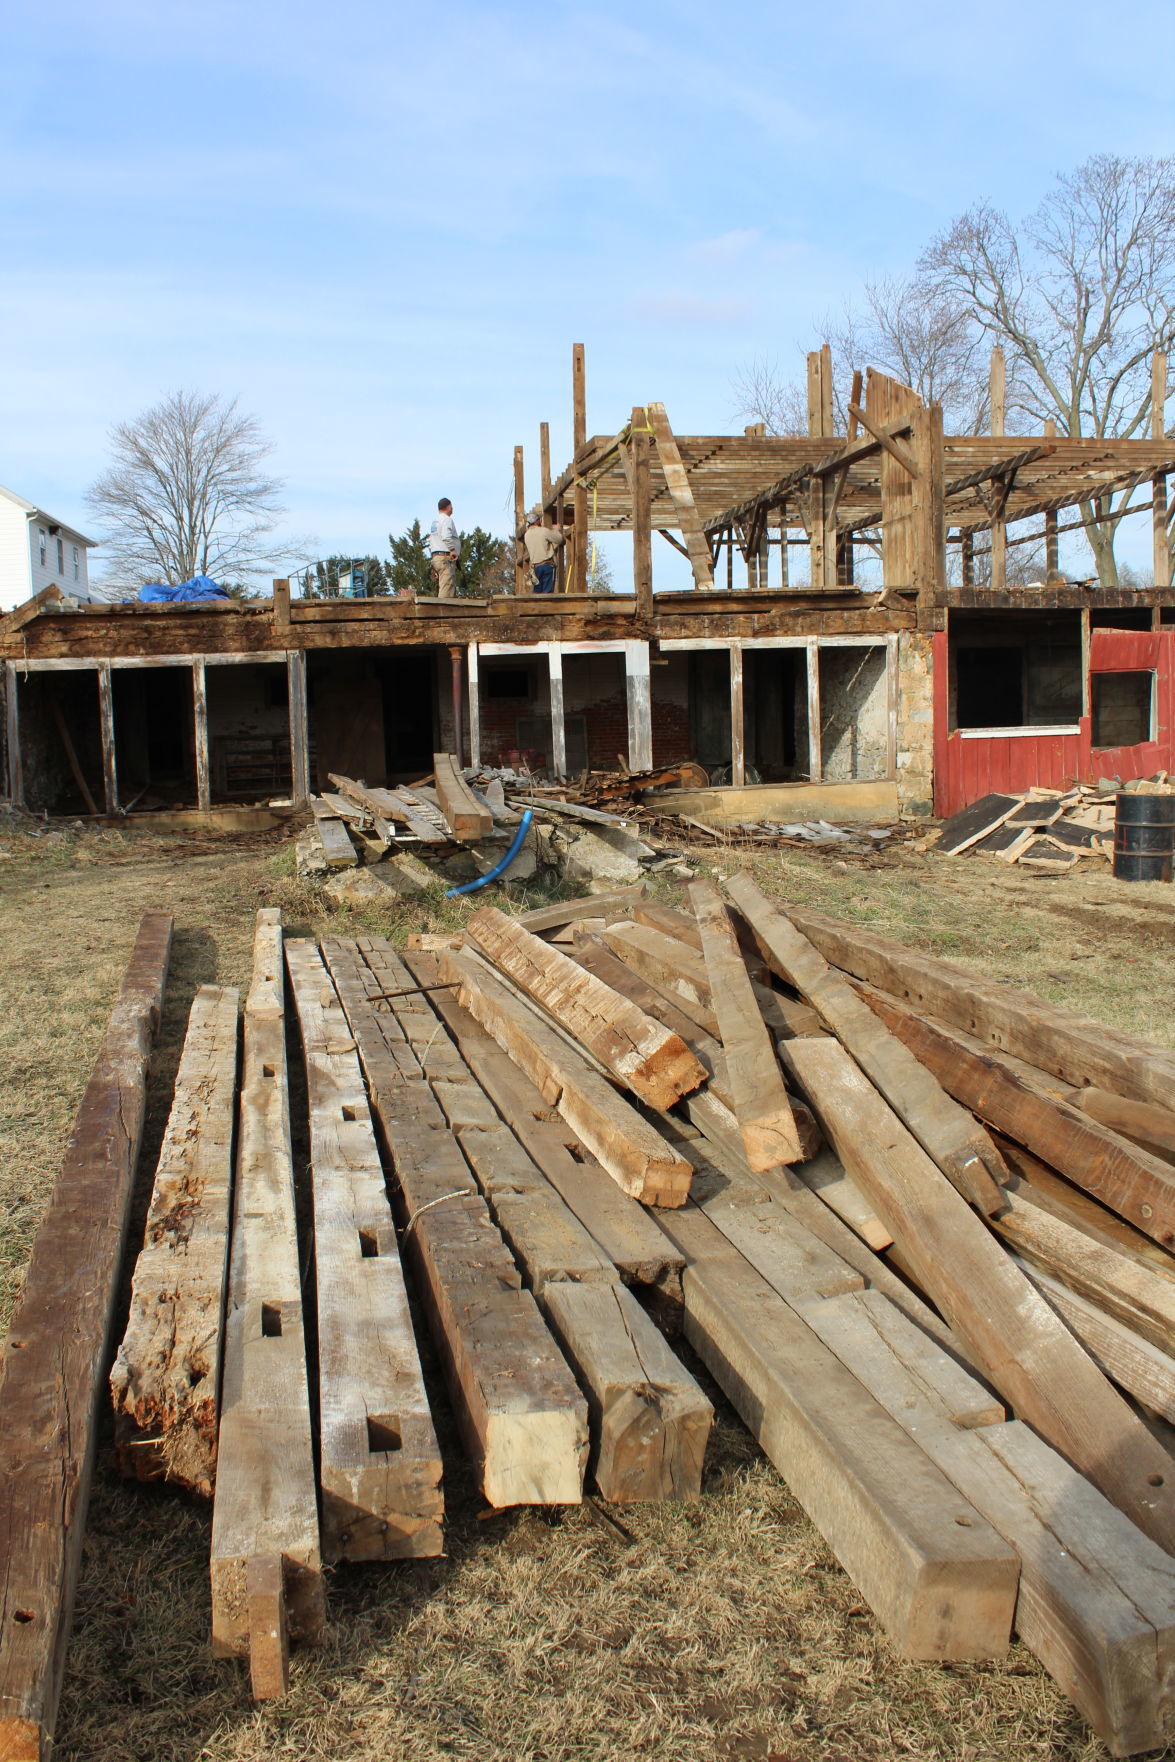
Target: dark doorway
{"type": "Point", "coordinates": [775, 702]}
{"type": "Point", "coordinates": [154, 736]}
{"type": "Point", "coordinates": [409, 684]}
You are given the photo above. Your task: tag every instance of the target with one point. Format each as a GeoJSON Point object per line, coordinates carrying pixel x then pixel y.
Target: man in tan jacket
{"type": "Point", "coordinates": [543, 544]}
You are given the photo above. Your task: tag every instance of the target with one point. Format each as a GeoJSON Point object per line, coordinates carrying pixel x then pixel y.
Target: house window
{"type": "Point", "coordinates": [61, 556]}
{"type": "Point", "coordinates": [1122, 706]}
{"type": "Point", "coordinates": [76, 564]}
{"type": "Point", "coordinates": [42, 544]}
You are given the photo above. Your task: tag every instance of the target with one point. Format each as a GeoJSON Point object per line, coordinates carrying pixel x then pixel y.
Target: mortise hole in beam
{"type": "Point", "coordinates": [1154, 1480]}
{"type": "Point", "coordinates": [575, 1152]}
{"type": "Point", "coordinates": [271, 1321]}
{"type": "Point", "coordinates": [383, 1433]}
{"type": "Point", "coordinates": [24, 1616]}
{"type": "Point", "coordinates": [368, 1245]}
{"type": "Point", "coordinates": [350, 1113]}
{"type": "Point", "coordinates": [269, 1070]}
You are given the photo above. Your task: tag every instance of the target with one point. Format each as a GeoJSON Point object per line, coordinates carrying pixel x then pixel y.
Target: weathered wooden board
{"type": "Point", "coordinates": [467, 816]}
{"type": "Point", "coordinates": [596, 905]}
{"type": "Point", "coordinates": [760, 1097]}
{"type": "Point", "coordinates": [380, 1462]}
{"type": "Point", "coordinates": [638, 1050]}
{"type": "Point", "coordinates": [641, 1253]}
{"type": "Point", "coordinates": [1152, 1128]}
{"type": "Point", "coordinates": [1140, 1187]}
{"type": "Point", "coordinates": [1015, 1338]}
{"type": "Point", "coordinates": [166, 1376]}
{"type": "Point", "coordinates": [1096, 1602]}
{"type": "Point", "coordinates": [266, 1504]}
{"type": "Point", "coordinates": [947, 1132]}
{"type": "Point", "coordinates": [934, 1572]}
{"type": "Point", "coordinates": [1074, 1047]}
{"type": "Point", "coordinates": [53, 1367]}
{"type": "Point", "coordinates": [633, 1153]}
{"type": "Point", "coordinates": [522, 1417]}
{"type": "Point", "coordinates": [336, 841]}
{"type": "Point", "coordinates": [974, 822]}
{"type": "Point", "coordinates": [1143, 1369]}
{"type": "Point", "coordinates": [783, 1015]}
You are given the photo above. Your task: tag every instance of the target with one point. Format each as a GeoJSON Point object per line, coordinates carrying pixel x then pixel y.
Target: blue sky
{"type": "Point", "coordinates": [383, 226]}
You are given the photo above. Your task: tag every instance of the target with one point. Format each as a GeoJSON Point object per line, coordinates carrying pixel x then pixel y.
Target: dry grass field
{"type": "Point", "coordinates": [723, 1630]}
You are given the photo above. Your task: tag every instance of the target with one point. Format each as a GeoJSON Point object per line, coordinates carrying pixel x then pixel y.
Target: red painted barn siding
{"type": "Point", "coordinates": [964, 770]}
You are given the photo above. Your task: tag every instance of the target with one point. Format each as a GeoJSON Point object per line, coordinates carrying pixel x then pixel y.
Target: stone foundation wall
{"type": "Point", "coordinates": [915, 724]}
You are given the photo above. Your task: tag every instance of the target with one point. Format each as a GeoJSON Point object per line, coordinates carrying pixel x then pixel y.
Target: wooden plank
{"type": "Point", "coordinates": [626, 1233]}
{"type": "Point", "coordinates": [380, 1463]}
{"type": "Point", "coordinates": [946, 1131]}
{"type": "Point", "coordinates": [269, 1634]}
{"type": "Point", "coordinates": [1142, 1297]}
{"type": "Point", "coordinates": [335, 840]}
{"type": "Point", "coordinates": [1072, 1047]}
{"type": "Point", "coordinates": [939, 1580]}
{"type": "Point", "coordinates": [642, 535]}
{"type": "Point", "coordinates": [466, 815]}
{"type": "Point", "coordinates": [974, 822]}
{"type": "Point", "coordinates": [1012, 1334]}
{"type": "Point", "coordinates": [668, 965]}
{"type": "Point", "coordinates": [1140, 1187]}
{"type": "Point", "coordinates": [166, 1376]}
{"type": "Point", "coordinates": [650, 1420]}
{"type": "Point", "coordinates": [52, 1368]}
{"type": "Point", "coordinates": [678, 484]}
{"type": "Point", "coordinates": [617, 904]}
{"type": "Point", "coordinates": [1096, 1601]}
{"type": "Point", "coordinates": [761, 1102]}
{"type": "Point", "coordinates": [370, 802]}
{"type": "Point", "coordinates": [266, 1503]}
{"type": "Point", "coordinates": [521, 1416]}
{"type": "Point", "coordinates": [826, 1176]}
{"type": "Point", "coordinates": [640, 1053]}
{"type": "Point", "coordinates": [634, 1154]}
{"type": "Point", "coordinates": [1136, 1364]}
{"type": "Point", "coordinates": [783, 1015]}
{"type": "Point", "coordinates": [1152, 1128]}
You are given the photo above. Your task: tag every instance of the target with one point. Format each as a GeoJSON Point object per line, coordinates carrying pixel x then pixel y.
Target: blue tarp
{"type": "Point", "coordinates": [201, 587]}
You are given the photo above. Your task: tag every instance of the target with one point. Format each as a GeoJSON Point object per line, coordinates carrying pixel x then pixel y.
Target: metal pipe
{"type": "Point", "coordinates": [484, 880]}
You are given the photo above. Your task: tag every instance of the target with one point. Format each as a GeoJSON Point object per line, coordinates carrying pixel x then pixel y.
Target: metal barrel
{"type": "Point", "coordinates": [1144, 836]}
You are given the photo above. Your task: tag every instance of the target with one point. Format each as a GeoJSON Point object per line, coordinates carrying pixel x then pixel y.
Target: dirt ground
{"type": "Point", "coordinates": [719, 1630]}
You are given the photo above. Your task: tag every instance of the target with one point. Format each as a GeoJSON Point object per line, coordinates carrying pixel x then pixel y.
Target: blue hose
{"type": "Point", "coordinates": [484, 880]}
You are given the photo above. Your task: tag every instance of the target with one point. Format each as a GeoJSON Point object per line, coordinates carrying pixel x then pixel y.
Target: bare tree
{"type": "Point", "coordinates": [186, 494]}
{"type": "Point", "coordinates": [1080, 294]}
{"type": "Point", "coordinates": [763, 394]}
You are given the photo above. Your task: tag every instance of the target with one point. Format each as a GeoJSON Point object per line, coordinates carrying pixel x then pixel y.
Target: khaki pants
{"type": "Point", "coordinates": [444, 568]}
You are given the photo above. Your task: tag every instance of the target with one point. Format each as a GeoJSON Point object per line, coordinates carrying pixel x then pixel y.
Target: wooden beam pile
{"type": "Point", "coordinates": [1046, 830]}
{"type": "Point", "coordinates": [953, 1327]}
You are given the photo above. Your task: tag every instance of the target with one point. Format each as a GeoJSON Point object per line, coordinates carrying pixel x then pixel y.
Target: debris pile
{"type": "Point", "coordinates": [916, 1224]}
{"type": "Point", "coordinates": [598, 832]}
{"type": "Point", "coordinates": [1048, 830]}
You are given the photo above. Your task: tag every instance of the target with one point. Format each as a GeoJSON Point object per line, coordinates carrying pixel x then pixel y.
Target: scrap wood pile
{"type": "Point", "coordinates": [915, 1224]}
{"type": "Point", "coordinates": [1048, 830]}
{"type": "Point", "coordinates": [466, 823]}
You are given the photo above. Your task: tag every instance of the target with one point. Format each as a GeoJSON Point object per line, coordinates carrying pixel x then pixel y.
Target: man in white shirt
{"type": "Point", "coordinates": [444, 547]}
{"type": "Point", "coordinates": [543, 544]}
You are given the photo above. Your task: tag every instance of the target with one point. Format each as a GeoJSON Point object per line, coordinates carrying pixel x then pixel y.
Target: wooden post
{"type": "Point", "coordinates": [815, 754]}
{"type": "Point", "coordinates": [545, 463]}
{"type": "Point", "coordinates": [106, 716]}
{"type": "Point", "coordinates": [967, 557]}
{"type": "Point", "coordinates": [892, 700]}
{"type": "Point", "coordinates": [521, 561]}
{"type": "Point", "coordinates": [1161, 543]}
{"type": "Point", "coordinates": [642, 515]}
{"type": "Point", "coordinates": [681, 494]}
{"type": "Point", "coordinates": [471, 664]}
{"type": "Point", "coordinates": [579, 501]}
{"type": "Point", "coordinates": [299, 728]}
{"type": "Point", "coordinates": [822, 552]}
{"type": "Point", "coordinates": [738, 758]}
{"type": "Point", "coordinates": [281, 602]}
{"type": "Point", "coordinates": [200, 720]}
{"type": "Point", "coordinates": [638, 688]}
{"type": "Point", "coordinates": [12, 715]}
{"type": "Point", "coordinates": [561, 553]}
{"type": "Point", "coordinates": [997, 382]}
{"type": "Point", "coordinates": [784, 570]}
{"type": "Point", "coordinates": [456, 656]}
{"type": "Point", "coordinates": [927, 505]}
{"type": "Point", "coordinates": [558, 723]}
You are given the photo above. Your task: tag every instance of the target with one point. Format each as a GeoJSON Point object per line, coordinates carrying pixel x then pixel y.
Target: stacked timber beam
{"type": "Point", "coordinates": [55, 1357]}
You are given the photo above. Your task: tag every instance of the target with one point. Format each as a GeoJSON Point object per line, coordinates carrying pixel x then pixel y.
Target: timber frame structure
{"type": "Point", "coordinates": [753, 676]}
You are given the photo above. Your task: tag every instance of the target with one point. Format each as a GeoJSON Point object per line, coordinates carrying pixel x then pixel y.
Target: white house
{"type": "Point", "coordinates": [38, 551]}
